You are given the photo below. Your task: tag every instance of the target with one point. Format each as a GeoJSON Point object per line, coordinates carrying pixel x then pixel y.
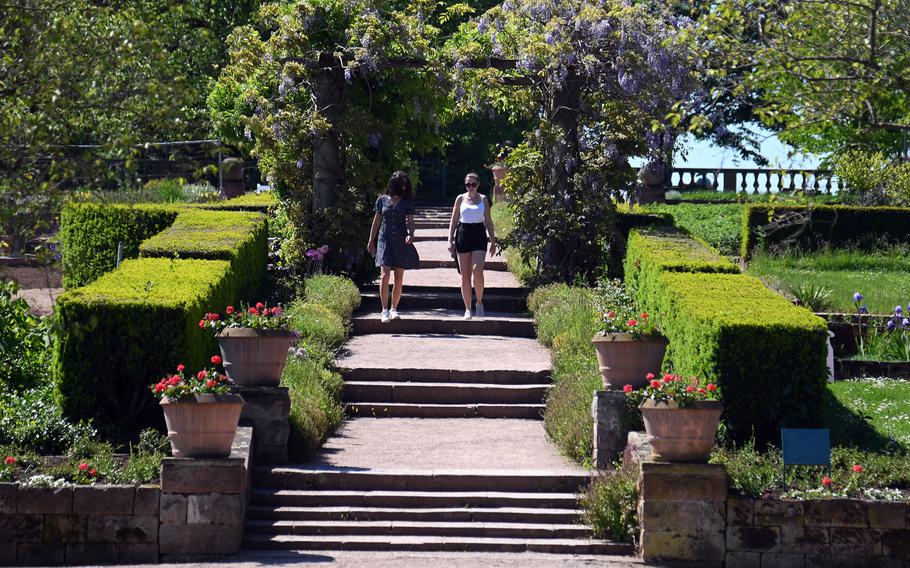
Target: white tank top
{"type": "Point", "coordinates": [471, 212]}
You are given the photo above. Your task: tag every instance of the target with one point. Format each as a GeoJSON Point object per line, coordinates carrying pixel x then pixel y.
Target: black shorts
{"type": "Point", "coordinates": [470, 237]}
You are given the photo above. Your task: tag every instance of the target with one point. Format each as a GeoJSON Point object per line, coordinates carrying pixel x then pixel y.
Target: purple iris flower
{"type": "Point", "coordinates": [857, 297]}
{"type": "Point", "coordinates": [898, 310]}
{"type": "Point", "coordinates": [891, 325]}
{"type": "Point", "coordinates": [905, 322]}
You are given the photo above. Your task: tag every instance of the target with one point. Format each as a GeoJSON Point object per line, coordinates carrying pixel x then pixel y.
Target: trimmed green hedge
{"type": "Point", "coordinates": [131, 326]}
{"type": "Point", "coordinates": [717, 224]}
{"type": "Point", "coordinates": [238, 237]}
{"type": "Point", "coordinates": [89, 233]}
{"type": "Point", "coordinates": [652, 250]}
{"type": "Point", "coordinates": [828, 225]}
{"type": "Point", "coordinates": [262, 202]}
{"type": "Point", "coordinates": [767, 355]}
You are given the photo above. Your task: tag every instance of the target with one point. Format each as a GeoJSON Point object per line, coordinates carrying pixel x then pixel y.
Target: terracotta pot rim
{"type": "Point", "coordinates": [618, 337]}
{"type": "Point", "coordinates": [244, 332]}
{"type": "Point", "coordinates": [696, 405]}
{"type": "Point", "coordinates": [206, 398]}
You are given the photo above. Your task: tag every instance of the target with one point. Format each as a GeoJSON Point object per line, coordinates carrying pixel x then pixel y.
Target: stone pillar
{"type": "Point", "coordinates": [682, 512]}
{"type": "Point", "coordinates": [266, 410]}
{"type": "Point", "coordinates": [610, 431]}
{"type": "Point", "coordinates": [203, 503]}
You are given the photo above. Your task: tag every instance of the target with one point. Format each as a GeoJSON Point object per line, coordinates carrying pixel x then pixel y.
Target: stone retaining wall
{"type": "Point", "coordinates": [196, 513]}
{"type": "Point", "coordinates": [686, 515]}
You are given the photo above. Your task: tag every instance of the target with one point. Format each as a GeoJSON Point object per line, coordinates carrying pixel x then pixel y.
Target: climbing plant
{"type": "Point", "coordinates": [603, 82]}
{"type": "Point", "coordinates": [332, 96]}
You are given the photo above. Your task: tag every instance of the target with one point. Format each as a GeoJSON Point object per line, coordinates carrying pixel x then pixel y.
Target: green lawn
{"type": "Point", "coordinates": [882, 277]}
{"type": "Point", "coordinates": [871, 413]}
{"type": "Point", "coordinates": [719, 225]}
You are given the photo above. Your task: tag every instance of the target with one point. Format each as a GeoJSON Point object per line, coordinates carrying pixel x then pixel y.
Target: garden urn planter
{"type": "Point", "coordinates": [499, 174]}
{"type": "Point", "coordinates": [202, 425]}
{"type": "Point", "coordinates": [624, 360]}
{"type": "Point", "coordinates": [254, 357]}
{"type": "Point", "coordinates": [681, 434]}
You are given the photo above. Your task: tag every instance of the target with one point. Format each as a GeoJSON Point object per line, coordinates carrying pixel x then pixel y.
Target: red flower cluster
{"type": "Point", "coordinates": [203, 382]}
{"type": "Point", "coordinates": [676, 388]}
{"type": "Point", "coordinates": [10, 460]}
{"type": "Point", "coordinates": [256, 316]}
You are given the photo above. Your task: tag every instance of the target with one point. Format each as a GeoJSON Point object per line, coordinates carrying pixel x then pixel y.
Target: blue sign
{"type": "Point", "coordinates": [805, 446]}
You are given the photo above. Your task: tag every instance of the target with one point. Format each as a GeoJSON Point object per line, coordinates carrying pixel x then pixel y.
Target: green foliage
{"type": "Point", "coordinates": [31, 422]}
{"type": "Point", "coordinates": [870, 177]}
{"type": "Point", "coordinates": [564, 317]}
{"type": "Point", "coordinates": [653, 250]}
{"type": "Point", "coordinates": [767, 355]}
{"type": "Point", "coordinates": [816, 298]}
{"type": "Point", "coordinates": [844, 271]}
{"type": "Point", "coordinates": [263, 202]}
{"type": "Point", "coordinates": [90, 233]}
{"type": "Point", "coordinates": [24, 343]}
{"type": "Point", "coordinates": [870, 413]}
{"type": "Point", "coordinates": [719, 225]}
{"type": "Point", "coordinates": [130, 327]}
{"type": "Point", "coordinates": [770, 227]}
{"type": "Point", "coordinates": [337, 293]}
{"type": "Point", "coordinates": [239, 237]}
{"type": "Point", "coordinates": [611, 503]}
{"type": "Point", "coordinates": [317, 324]}
{"type": "Point", "coordinates": [316, 408]}
{"type": "Point", "coordinates": [166, 190]}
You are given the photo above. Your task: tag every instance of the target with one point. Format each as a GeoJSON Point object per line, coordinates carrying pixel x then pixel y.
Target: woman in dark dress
{"type": "Point", "coordinates": [393, 224]}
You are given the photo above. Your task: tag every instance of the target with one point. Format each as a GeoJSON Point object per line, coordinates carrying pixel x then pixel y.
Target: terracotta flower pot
{"type": "Point", "coordinates": [625, 361]}
{"type": "Point", "coordinates": [254, 357]}
{"type": "Point", "coordinates": [499, 174]}
{"type": "Point", "coordinates": [203, 425]}
{"type": "Point", "coordinates": [681, 434]}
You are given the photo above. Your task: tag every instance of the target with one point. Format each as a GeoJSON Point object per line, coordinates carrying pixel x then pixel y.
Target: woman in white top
{"type": "Point", "coordinates": [468, 230]}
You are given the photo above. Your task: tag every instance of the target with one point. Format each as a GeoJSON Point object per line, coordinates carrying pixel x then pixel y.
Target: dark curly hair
{"type": "Point", "coordinates": [400, 184]}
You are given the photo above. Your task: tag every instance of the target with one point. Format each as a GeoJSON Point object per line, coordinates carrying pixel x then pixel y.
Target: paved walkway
{"type": "Point", "coordinates": [430, 444]}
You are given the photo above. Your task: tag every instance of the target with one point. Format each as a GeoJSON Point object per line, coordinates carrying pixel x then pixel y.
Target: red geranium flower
{"type": "Point", "coordinates": [826, 481]}
{"type": "Point", "coordinates": [611, 314]}
{"type": "Point", "coordinates": [627, 388]}
{"type": "Point", "coordinates": [668, 378]}
{"type": "Point", "coordinates": [644, 315]}
{"type": "Point", "coordinates": [690, 388]}
{"type": "Point", "coordinates": [711, 387]}
{"type": "Point", "coordinates": [655, 384]}
{"type": "Point", "coordinates": [211, 384]}
{"type": "Point", "coordinates": [632, 322]}
{"type": "Point", "coordinates": [180, 368]}
{"type": "Point", "coordinates": [200, 375]}
{"type": "Point", "coordinates": [92, 472]}
{"type": "Point", "coordinates": [10, 460]}
{"type": "Point", "coordinates": [202, 323]}
{"type": "Point", "coordinates": [254, 311]}
{"type": "Point", "coordinates": [229, 309]}
{"type": "Point", "coordinates": [259, 305]}
{"type": "Point", "coordinates": [650, 376]}
{"type": "Point", "coordinates": [216, 360]}
{"type": "Point", "coordinates": [83, 466]}
{"type": "Point", "coordinates": [857, 468]}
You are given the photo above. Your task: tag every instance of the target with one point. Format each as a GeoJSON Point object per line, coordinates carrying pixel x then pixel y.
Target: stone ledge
{"type": "Point", "coordinates": [683, 482]}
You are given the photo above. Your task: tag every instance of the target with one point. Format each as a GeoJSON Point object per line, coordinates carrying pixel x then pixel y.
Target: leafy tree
{"type": "Point", "coordinates": [602, 82]}
{"type": "Point", "coordinates": [830, 73]}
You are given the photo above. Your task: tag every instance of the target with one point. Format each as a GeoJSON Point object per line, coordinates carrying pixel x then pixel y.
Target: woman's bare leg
{"type": "Point", "coordinates": [384, 287]}
{"type": "Point", "coordinates": [477, 259]}
{"type": "Point", "coordinates": [396, 290]}
{"type": "Point", "coordinates": [464, 262]}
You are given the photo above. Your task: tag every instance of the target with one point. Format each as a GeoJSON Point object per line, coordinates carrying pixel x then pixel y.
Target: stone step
{"type": "Point", "coordinates": [445, 376]}
{"type": "Point", "coordinates": [413, 300]}
{"type": "Point", "coordinates": [445, 322]}
{"type": "Point", "coordinates": [418, 528]}
{"type": "Point", "coordinates": [444, 281]}
{"type": "Point", "coordinates": [414, 500]}
{"type": "Point", "coordinates": [434, 543]}
{"type": "Point", "coordinates": [426, 235]}
{"type": "Point", "coordinates": [448, 354]}
{"type": "Point", "coordinates": [435, 254]}
{"type": "Point", "coordinates": [419, 480]}
{"type": "Point", "coordinates": [431, 224]}
{"type": "Point", "coordinates": [439, 514]}
{"type": "Point", "coordinates": [405, 410]}
{"type": "Point", "coordinates": [443, 393]}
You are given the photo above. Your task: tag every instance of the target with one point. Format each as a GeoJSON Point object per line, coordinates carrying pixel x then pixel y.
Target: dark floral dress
{"type": "Point", "coordinates": [391, 249]}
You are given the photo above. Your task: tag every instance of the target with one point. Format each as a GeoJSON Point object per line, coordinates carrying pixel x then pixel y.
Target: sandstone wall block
{"type": "Point", "coordinates": [758, 539]}
{"type": "Point", "coordinates": [103, 499]}
{"type": "Point", "coordinates": [799, 539]}
{"type": "Point", "coordinates": [45, 500]}
{"type": "Point", "coordinates": [215, 509]}
{"type": "Point", "coordinates": [683, 482]}
{"type": "Point", "coordinates": [146, 500]}
{"type": "Point", "coordinates": [855, 542]}
{"type": "Point", "coordinates": [836, 513]}
{"type": "Point", "coordinates": [116, 529]}
{"type": "Point", "coordinates": [740, 510]}
{"type": "Point", "coordinates": [173, 508]}
{"type": "Point", "coordinates": [21, 528]}
{"type": "Point", "coordinates": [64, 529]}
{"type": "Point", "coordinates": [8, 492]}
{"type": "Point", "coordinates": [31, 553]}
{"type": "Point", "coordinates": [197, 539]}
{"type": "Point", "coordinates": [202, 476]}
{"type": "Point", "coordinates": [92, 553]}
{"type": "Point", "coordinates": [887, 515]}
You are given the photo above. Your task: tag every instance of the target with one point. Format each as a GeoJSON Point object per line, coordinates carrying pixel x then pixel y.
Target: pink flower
{"type": "Point", "coordinates": [690, 388]}
{"type": "Point", "coordinates": [216, 360]}
{"type": "Point", "coordinates": [180, 368]}
{"type": "Point", "coordinates": [611, 314]}
{"type": "Point", "coordinates": [857, 468]}
{"type": "Point", "coordinates": [655, 384]}
{"type": "Point", "coordinates": [649, 376]}
{"type": "Point", "coordinates": [83, 466]}
{"type": "Point", "coordinates": [10, 460]}
{"type": "Point", "coordinates": [254, 311]}
{"type": "Point", "coordinates": [230, 309]}
{"type": "Point", "coordinates": [202, 323]}
{"type": "Point", "coordinates": [92, 472]}
{"type": "Point", "coordinates": [211, 384]}
{"type": "Point", "coordinates": [632, 322]}
{"type": "Point", "coordinates": [200, 375]}
{"type": "Point", "coordinates": [826, 481]}
{"type": "Point", "coordinates": [627, 388]}
{"type": "Point", "coordinates": [259, 305]}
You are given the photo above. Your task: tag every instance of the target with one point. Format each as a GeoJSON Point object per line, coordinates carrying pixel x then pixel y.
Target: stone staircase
{"type": "Point", "coordinates": [393, 480]}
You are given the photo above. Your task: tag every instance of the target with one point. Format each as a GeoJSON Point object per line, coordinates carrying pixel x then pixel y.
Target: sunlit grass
{"type": "Point", "coordinates": [885, 403]}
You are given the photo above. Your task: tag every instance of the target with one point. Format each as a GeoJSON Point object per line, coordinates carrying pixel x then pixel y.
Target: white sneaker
{"type": "Point", "coordinates": [393, 314]}
{"type": "Point", "coordinates": [478, 311]}
{"type": "Point", "coordinates": [384, 316]}
{"type": "Point", "coordinates": [467, 314]}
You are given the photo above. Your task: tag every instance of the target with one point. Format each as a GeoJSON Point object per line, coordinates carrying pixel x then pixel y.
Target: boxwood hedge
{"type": "Point", "coordinates": [235, 236]}
{"type": "Point", "coordinates": [130, 327]}
{"type": "Point", "coordinates": [767, 226]}
{"type": "Point", "coordinates": [90, 232]}
{"type": "Point", "coordinates": [767, 354]}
